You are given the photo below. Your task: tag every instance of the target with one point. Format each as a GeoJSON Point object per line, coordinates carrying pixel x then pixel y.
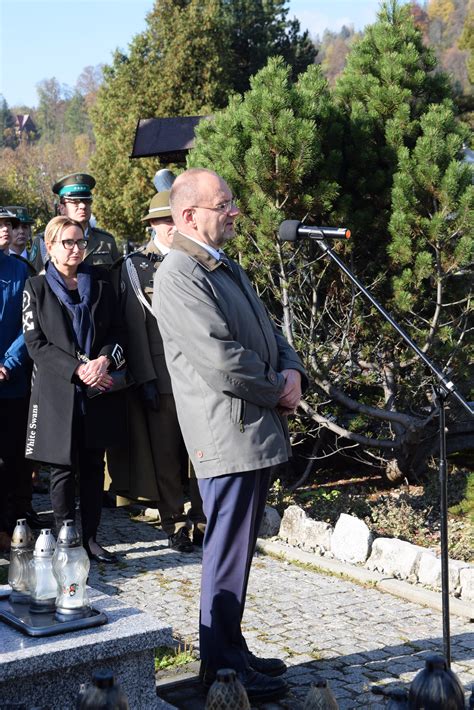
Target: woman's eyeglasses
{"type": "Point", "coordinates": [69, 244]}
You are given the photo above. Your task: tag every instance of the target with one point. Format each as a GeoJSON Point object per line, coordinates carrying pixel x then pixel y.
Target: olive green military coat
{"type": "Point", "coordinates": [154, 448]}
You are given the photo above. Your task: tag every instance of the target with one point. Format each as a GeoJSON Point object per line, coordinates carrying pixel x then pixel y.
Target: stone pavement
{"type": "Point", "coordinates": [321, 625]}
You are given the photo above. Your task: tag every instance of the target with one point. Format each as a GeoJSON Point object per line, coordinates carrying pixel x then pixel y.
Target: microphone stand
{"type": "Point", "coordinates": [443, 389]}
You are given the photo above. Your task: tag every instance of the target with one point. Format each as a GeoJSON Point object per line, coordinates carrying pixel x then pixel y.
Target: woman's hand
{"type": "Point", "coordinates": [94, 373]}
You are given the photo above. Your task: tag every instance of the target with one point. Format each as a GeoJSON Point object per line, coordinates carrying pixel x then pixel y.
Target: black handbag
{"type": "Point", "coordinates": [122, 380]}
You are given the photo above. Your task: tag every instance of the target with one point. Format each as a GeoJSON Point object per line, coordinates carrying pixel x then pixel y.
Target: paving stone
{"type": "Point", "coordinates": [361, 636]}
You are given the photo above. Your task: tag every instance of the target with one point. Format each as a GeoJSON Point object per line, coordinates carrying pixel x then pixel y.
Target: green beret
{"type": "Point", "coordinates": [74, 186]}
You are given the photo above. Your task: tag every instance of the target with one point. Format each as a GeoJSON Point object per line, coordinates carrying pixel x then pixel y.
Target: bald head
{"type": "Point", "coordinates": [187, 190]}
{"type": "Point", "coordinates": [202, 206]}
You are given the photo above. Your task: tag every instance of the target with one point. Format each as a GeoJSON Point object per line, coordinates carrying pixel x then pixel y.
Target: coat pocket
{"type": "Point", "coordinates": [207, 452]}
{"type": "Point", "coordinates": [237, 411]}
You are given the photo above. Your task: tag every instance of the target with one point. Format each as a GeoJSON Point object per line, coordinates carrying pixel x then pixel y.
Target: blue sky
{"type": "Point", "coordinates": [40, 39]}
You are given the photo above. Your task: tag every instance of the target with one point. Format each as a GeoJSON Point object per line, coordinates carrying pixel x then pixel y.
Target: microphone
{"type": "Point", "coordinates": [291, 230]}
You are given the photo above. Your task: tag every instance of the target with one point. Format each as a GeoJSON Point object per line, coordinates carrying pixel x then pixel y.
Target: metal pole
{"type": "Point", "coordinates": [443, 389]}
{"type": "Point", "coordinates": [443, 487]}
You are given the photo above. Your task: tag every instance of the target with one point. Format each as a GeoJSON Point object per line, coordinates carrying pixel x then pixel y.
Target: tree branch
{"type": "Point", "coordinates": [350, 435]}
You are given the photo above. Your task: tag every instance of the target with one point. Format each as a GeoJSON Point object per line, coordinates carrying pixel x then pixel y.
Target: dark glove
{"type": "Point", "coordinates": [150, 395]}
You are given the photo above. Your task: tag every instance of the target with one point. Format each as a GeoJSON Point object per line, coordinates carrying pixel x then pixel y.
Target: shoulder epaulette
{"type": "Point", "coordinates": [121, 259]}
{"type": "Point", "coordinates": [103, 231]}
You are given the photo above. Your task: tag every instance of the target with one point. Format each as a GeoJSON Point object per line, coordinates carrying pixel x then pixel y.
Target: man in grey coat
{"type": "Point", "coordinates": [235, 379]}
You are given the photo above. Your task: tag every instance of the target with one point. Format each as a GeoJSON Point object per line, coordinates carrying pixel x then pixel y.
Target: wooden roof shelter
{"type": "Point", "coordinates": [167, 138]}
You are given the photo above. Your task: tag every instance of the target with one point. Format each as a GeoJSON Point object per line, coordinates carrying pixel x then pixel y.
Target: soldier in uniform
{"type": "Point", "coordinates": [156, 463]}
{"type": "Point", "coordinates": [21, 236]}
{"type": "Point", "coordinates": [75, 201]}
{"type": "Point", "coordinates": [15, 373]}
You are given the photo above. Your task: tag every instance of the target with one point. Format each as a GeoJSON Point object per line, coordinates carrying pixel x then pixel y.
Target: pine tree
{"type": "Point", "coordinates": [172, 68]}
{"type": "Point", "coordinates": [386, 157]}
{"type": "Point", "coordinates": [76, 119]}
{"type": "Point", "coordinates": [386, 86]}
{"type": "Point", "coordinates": [50, 113]}
{"type": "Point", "coordinates": [184, 63]}
{"type": "Point", "coordinates": [402, 181]}
{"type": "Point", "coordinates": [8, 137]}
{"type": "Point", "coordinates": [259, 29]}
{"type": "Point", "coordinates": [271, 147]}
{"type": "Point", "coordinates": [432, 246]}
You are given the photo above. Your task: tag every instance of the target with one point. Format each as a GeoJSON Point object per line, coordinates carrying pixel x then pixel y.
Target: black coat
{"type": "Point", "coordinates": [49, 338]}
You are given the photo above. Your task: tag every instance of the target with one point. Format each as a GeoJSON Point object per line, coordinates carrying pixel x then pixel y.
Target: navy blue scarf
{"type": "Point", "coordinates": [81, 312]}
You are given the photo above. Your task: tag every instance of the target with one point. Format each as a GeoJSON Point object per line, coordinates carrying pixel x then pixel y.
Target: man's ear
{"type": "Point", "coordinates": [61, 209]}
{"type": "Point", "coordinates": [188, 217]}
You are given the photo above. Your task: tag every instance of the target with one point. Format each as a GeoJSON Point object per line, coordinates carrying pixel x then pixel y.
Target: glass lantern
{"type": "Point", "coordinates": [20, 556]}
{"type": "Point", "coordinates": [43, 585]}
{"type": "Point", "coordinates": [71, 569]}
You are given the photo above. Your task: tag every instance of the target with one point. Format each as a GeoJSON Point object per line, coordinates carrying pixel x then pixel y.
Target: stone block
{"type": "Point", "coordinates": [351, 540]}
{"type": "Point", "coordinates": [395, 558]}
{"type": "Point", "coordinates": [40, 671]}
{"type": "Point", "coordinates": [429, 572]}
{"type": "Point", "coordinates": [466, 580]}
{"type": "Point", "coordinates": [455, 568]}
{"type": "Point", "coordinates": [299, 530]}
{"type": "Point", "coordinates": [271, 522]}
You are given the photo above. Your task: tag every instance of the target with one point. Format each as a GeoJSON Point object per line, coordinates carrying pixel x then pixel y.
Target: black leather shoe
{"type": "Point", "coordinates": [103, 557]}
{"type": "Point", "coordinates": [180, 541]}
{"type": "Point", "coordinates": [37, 522]}
{"type": "Point", "coordinates": [268, 666]}
{"type": "Point", "coordinates": [257, 685]}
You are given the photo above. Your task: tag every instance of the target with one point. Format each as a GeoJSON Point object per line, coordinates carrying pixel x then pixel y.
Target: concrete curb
{"type": "Point", "coordinates": [364, 576]}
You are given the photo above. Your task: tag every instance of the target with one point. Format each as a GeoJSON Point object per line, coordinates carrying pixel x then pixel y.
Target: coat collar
{"type": "Point", "coordinates": [151, 248]}
{"type": "Point", "coordinates": [91, 242]}
{"type": "Point", "coordinates": [198, 253]}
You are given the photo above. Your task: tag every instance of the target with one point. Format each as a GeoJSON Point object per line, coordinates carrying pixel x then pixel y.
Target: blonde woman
{"type": "Point", "coordinates": [73, 332]}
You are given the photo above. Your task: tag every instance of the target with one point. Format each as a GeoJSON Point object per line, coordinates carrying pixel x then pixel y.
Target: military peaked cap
{"type": "Point", "coordinates": [159, 206]}
{"type": "Point", "coordinates": [75, 186]}
{"type": "Point", "coordinates": [6, 214]}
{"type": "Point", "coordinates": [21, 213]}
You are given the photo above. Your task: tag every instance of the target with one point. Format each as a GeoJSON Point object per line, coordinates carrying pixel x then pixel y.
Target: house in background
{"type": "Point", "coordinates": [25, 127]}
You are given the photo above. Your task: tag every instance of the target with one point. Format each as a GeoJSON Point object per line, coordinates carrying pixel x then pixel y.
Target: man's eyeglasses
{"type": "Point", "coordinates": [69, 244]}
{"type": "Point", "coordinates": [224, 207]}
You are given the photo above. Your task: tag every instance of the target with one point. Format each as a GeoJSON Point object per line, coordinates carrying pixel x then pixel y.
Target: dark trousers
{"type": "Point", "coordinates": [171, 461]}
{"type": "Point", "coordinates": [234, 507]}
{"type": "Point", "coordinates": [88, 464]}
{"type": "Point", "coordinates": [15, 470]}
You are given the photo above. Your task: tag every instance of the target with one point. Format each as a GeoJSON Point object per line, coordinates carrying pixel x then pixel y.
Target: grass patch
{"type": "Point", "coordinates": [465, 508]}
{"type": "Point", "coordinates": [173, 657]}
